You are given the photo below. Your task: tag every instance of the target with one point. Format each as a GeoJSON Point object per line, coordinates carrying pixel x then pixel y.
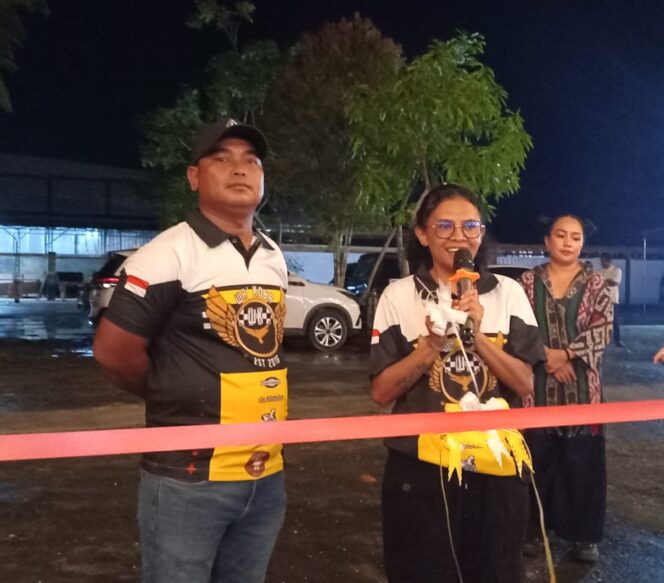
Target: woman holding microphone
{"type": "Point", "coordinates": [435, 529]}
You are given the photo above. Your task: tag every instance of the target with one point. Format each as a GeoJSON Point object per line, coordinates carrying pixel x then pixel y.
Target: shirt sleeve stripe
{"type": "Point", "coordinates": [138, 282]}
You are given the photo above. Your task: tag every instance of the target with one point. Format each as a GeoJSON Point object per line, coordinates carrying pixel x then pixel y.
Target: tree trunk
{"type": "Point", "coordinates": [260, 223]}
{"type": "Point", "coordinates": [374, 269]}
{"type": "Point", "coordinates": [280, 232]}
{"type": "Point", "coordinates": [396, 230]}
{"type": "Point", "coordinates": [341, 241]}
{"type": "Point", "coordinates": [401, 253]}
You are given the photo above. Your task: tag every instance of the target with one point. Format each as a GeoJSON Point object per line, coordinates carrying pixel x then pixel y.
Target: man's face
{"type": "Point", "coordinates": [605, 262]}
{"type": "Point", "coordinates": [230, 178]}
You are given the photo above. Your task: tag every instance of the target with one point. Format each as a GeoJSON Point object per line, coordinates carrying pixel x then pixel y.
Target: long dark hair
{"type": "Point", "coordinates": [417, 253]}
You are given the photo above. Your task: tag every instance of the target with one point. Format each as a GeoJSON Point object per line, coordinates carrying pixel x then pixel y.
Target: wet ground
{"type": "Point", "coordinates": [41, 319]}
{"type": "Point", "coordinates": [73, 520]}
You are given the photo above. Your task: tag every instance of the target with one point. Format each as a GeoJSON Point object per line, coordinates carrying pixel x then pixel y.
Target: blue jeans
{"type": "Point", "coordinates": [208, 532]}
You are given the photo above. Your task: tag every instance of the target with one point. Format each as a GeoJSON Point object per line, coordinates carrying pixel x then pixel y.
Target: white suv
{"type": "Point", "coordinates": [326, 315]}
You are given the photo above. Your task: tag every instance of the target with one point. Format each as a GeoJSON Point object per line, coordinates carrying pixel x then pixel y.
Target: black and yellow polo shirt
{"type": "Point", "coordinates": [508, 321]}
{"type": "Point", "coordinates": [214, 313]}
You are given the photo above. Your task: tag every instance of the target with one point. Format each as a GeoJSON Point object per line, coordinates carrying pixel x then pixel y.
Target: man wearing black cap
{"type": "Point", "coordinates": [195, 328]}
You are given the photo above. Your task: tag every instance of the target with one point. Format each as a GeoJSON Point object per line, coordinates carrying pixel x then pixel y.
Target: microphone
{"type": "Point", "coordinates": [464, 277]}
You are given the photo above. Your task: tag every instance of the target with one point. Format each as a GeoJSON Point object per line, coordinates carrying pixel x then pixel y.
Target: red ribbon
{"type": "Point", "coordinates": [124, 441]}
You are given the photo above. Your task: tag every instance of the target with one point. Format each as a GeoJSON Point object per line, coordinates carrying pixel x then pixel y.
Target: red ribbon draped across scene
{"type": "Point", "coordinates": [125, 441]}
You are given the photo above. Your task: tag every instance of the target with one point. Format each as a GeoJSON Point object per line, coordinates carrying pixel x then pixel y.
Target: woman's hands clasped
{"type": "Point", "coordinates": [559, 365]}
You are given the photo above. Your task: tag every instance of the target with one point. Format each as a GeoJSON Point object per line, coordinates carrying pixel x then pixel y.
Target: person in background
{"type": "Point", "coordinates": [574, 310]}
{"type": "Point", "coordinates": [195, 329]}
{"type": "Point", "coordinates": [417, 369]}
{"type": "Point", "coordinates": [613, 276]}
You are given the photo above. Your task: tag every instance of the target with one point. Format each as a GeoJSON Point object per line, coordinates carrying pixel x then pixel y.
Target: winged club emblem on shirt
{"type": "Point", "coordinates": [253, 325]}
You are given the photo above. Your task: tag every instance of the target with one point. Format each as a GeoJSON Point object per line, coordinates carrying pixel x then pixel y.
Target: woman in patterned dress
{"type": "Point", "coordinates": [574, 312]}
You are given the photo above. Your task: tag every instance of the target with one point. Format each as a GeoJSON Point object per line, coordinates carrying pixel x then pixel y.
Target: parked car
{"type": "Point", "coordinates": [325, 314]}
{"type": "Point", "coordinates": [357, 274]}
{"type": "Point", "coordinates": [63, 284]}
{"type": "Point", "coordinates": [103, 284]}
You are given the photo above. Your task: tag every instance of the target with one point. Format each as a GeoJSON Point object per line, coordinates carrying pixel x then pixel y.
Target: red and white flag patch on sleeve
{"type": "Point", "coordinates": [136, 285]}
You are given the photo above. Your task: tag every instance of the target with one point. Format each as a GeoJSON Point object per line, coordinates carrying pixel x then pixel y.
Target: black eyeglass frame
{"type": "Point", "coordinates": [470, 224]}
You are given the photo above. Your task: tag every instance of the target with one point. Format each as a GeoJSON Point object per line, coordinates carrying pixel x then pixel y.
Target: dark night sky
{"type": "Point", "coordinates": [587, 77]}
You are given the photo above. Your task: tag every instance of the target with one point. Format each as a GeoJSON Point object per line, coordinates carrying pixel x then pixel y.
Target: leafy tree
{"type": "Point", "coordinates": [306, 121]}
{"type": "Point", "coordinates": [169, 133]}
{"type": "Point", "coordinates": [239, 81]}
{"type": "Point", "coordinates": [443, 118]}
{"type": "Point", "coordinates": [236, 87]}
{"type": "Point", "coordinates": [12, 35]}
{"type": "Point", "coordinates": [226, 18]}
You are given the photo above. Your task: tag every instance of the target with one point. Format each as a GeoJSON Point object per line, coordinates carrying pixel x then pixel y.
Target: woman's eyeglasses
{"type": "Point", "coordinates": [445, 229]}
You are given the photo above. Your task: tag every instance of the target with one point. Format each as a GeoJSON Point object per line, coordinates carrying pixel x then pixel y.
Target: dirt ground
{"type": "Point", "coordinates": [73, 520]}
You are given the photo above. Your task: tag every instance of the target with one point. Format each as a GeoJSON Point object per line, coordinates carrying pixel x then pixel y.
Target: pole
{"type": "Point", "coordinates": [645, 244]}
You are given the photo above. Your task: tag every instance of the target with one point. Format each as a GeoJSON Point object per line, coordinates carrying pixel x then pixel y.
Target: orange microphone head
{"type": "Point", "coordinates": [463, 273]}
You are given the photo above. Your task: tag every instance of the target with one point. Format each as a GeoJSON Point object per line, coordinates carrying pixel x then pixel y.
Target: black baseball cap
{"type": "Point", "coordinates": [209, 136]}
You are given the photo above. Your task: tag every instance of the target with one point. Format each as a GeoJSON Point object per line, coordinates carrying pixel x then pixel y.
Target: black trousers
{"type": "Point", "coordinates": [570, 473]}
{"type": "Point", "coordinates": [488, 517]}
{"type": "Point", "coordinates": [616, 324]}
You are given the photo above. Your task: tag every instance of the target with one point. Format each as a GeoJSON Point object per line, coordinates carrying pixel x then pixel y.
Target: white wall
{"type": "Point", "coordinates": [645, 280]}
{"type": "Point", "coordinates": [521, 260]}
{"type": "Point", "coordinates": [316, 266]}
